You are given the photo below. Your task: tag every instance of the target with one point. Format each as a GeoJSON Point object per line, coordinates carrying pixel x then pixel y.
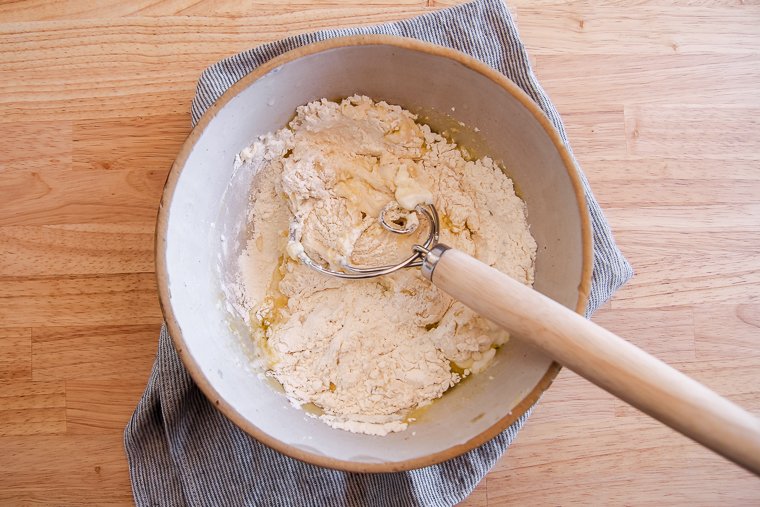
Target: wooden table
{"type": "Point", "coordinates": [661, 101]}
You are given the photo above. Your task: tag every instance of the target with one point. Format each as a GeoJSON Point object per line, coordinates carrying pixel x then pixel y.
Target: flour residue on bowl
{"type": "Point", "coordinates": [369, 352]}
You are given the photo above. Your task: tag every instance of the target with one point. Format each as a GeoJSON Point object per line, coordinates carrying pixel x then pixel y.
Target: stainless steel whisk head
{"type": "Point", "coordinates": [392, 221]}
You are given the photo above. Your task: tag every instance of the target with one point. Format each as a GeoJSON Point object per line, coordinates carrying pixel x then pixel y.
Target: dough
{"type": "Point", "coordinates": [368, 353]}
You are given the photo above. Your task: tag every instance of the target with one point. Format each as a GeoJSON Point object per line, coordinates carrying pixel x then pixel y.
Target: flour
{"type": "Point", "coordinates": [368, 352]}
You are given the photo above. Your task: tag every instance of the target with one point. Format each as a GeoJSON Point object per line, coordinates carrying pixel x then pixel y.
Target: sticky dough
{"type": "Point", "coordinates": [369, 352]}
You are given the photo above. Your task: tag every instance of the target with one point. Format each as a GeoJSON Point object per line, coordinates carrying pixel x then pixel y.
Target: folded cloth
{"type": "Point", "coordinates": [182, 451]}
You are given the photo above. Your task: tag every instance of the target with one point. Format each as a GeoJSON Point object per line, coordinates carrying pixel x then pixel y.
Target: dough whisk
{"type": "Point", "coordinates": [591, 351]}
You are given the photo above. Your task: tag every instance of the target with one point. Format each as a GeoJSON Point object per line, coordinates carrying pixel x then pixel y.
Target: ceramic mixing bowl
{"type": "Point", "coordinates": [201, 230]}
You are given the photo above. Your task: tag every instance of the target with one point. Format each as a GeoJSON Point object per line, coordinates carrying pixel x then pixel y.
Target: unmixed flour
{"type": "Point", "coordinates": [369, 352]}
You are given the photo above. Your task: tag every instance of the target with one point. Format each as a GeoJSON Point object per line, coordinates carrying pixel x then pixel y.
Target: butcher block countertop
{"type": "Point", "coordinates": [661, 100]}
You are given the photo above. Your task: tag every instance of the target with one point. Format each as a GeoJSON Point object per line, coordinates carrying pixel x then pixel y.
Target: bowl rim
{"type": "Point", "coordinates": [162, 223]}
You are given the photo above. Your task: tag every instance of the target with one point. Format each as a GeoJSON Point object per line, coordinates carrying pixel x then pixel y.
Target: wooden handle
{"type": "Point", "coordinates": [603, 358]}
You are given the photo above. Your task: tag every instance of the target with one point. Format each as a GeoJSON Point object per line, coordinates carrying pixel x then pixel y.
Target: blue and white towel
{"type": "Point", "coordinates": [182, 451]}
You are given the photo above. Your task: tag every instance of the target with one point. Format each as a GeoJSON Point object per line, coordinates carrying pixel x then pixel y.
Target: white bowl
{"type": "Point", "coordinates": [201, 229]}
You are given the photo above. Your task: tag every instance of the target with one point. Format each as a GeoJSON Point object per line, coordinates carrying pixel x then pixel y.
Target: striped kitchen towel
{"type": "Point", "coordinates": [182, 451]}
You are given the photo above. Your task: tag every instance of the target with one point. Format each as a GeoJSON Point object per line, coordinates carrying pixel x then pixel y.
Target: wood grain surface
{"type": "Point", "coordinates": [661, 101]}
